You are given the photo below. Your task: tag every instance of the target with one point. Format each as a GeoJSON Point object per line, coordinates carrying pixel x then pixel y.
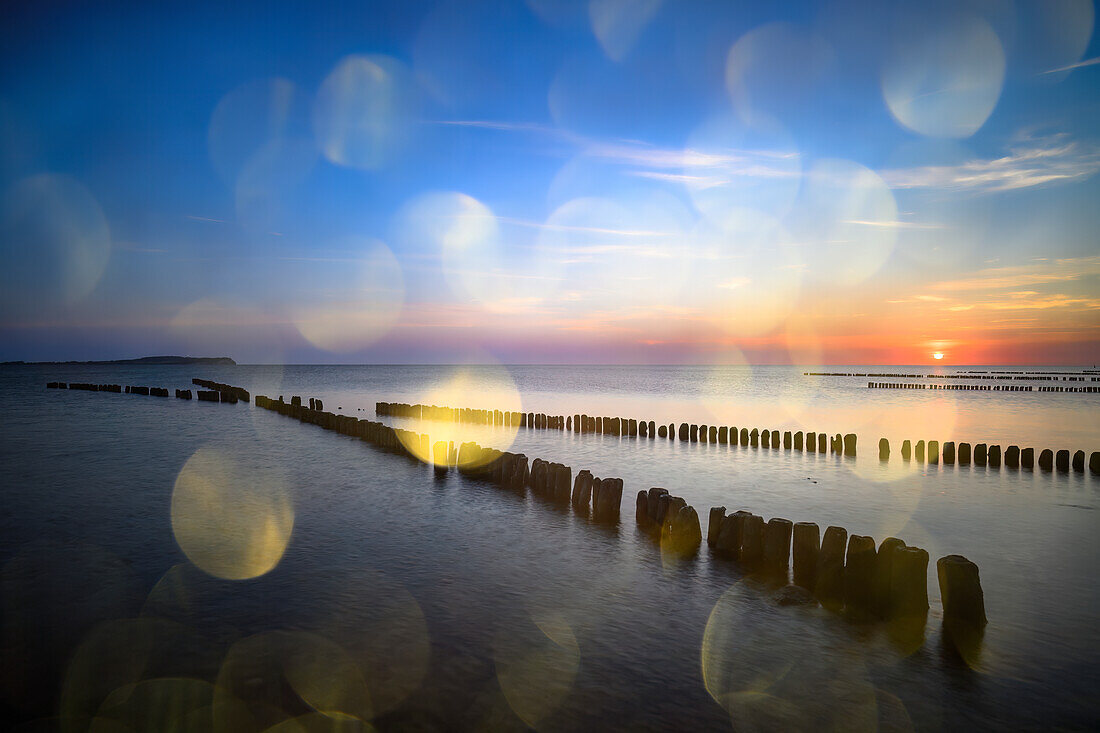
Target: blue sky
{"type": "Point", "coordinates": [613, 180]}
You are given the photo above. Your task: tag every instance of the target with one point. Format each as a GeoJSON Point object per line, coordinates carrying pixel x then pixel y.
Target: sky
{"type": "Point", "coordinates": [612, 181]}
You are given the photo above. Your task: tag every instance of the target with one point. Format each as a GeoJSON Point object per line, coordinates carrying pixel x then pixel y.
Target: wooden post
{"type": "Point", "coordinates": [806, 546]}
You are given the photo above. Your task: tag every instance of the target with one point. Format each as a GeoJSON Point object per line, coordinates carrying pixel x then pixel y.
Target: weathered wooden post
{"type": "Point", "coordinates": [933, 452]}
{"type": "Point", "coordinates": [1061, 461]}
{"type": "Point", "coordinates": [994, 456]}
{"type": "Point", "coordinates": [822, 442]}
{"type": "Point", "coordinates": [723, 435]}
{"type": "Point", "coordinates": [694, 433]}
{"type": "Point", "coordinates": [884, 575]}
{"type": "Point", "coordinates": [918, 451]}
{"type": "Point", "coordinates": [906, 450]}
{"type": "Point", "coordinates": [961, 590]}
{"type": "Point", "coordinates": [641, 511]}
{"type": "Point", "coordinates": [744, 437]}
{"type": "Point", "coordinates": [731, 534]}
{"type": "Point", "coordinates": [830, 568]}
{"type": "Point", "coordinates": [980, 454]}
{"type": "Point", "coordinates": [1094, 463]}
{"type": "Point", "coordinates": [964, 454]}
{"type": "Point", "coordinates": [1012, 456]}
{"type": "Point", "coordinates": [765, 439]}
{"type": "Point", "coordinates": [653, 430]}
{"type": "Point", "coordinates": [662, 432]}
{"type": "Point", "coordinates": [806, 546]}
{"type": "Point", "coordinates": [684, 430]}
{"type": "Point", "coordinates": [909, 586]}
{"type": "Point", "coordinates": [1046, 459]}
{"type": "Point", "coordinates": [754, 437]}
{"type": "Point", "coordinates": [964, 618]}
{"type": "Point", "coordinates": [883, 449]}
{"type": "Point", "coordinates": [1027, 458]}
{"type": "Point", "coordinates": [752, 543]}
{"type": "Point", "coordinates": [712, 434]}
{"type": "Point", "coordinates": [859, 574]}
{"type": "Point", "coordinates": [777, 546]}
{"type": "Point", "coordinates": [949, 453]}
{"type": "Point", "coordinates": [714, 524]}
{"type": "Point", "coordinates": [1079, 461]}
{"type": "Point", "coordinates": [798, 440]}
{"type": "Point", "coordinates": [775, 440]}
{"type": "Point", "coordinates": [850, 445]}
{"type": "Point", "coordinates": [787, 439]}
{"type": "Point", "coordinates": [582, 490]}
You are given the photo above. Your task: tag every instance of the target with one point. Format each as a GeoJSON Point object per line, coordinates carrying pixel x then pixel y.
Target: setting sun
{"type": "Point", "coordinates": [937, 356]}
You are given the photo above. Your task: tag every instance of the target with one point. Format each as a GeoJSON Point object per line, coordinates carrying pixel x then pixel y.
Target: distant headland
{"type": "Point", "coordinates": [143, 361]}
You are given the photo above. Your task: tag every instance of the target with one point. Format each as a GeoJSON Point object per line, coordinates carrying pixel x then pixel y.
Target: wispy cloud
{"type": "Point", "coordinates": [613, 231]}
{"type": "Point", "coordinates": [1018, 276]}
{"type": "Point", "coordinates": [893, 224]}
{"type": "Point", "coordinates": [688, 166]}
{"type": "Point", "coordinates": [1080, 64]}
{"type": "Point", "coordinates": [1033, 162]}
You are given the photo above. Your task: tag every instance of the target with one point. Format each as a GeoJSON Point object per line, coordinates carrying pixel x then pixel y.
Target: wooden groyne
{"type": "Point", "coordinates": [224, 395]}
{"type": "Point", "coordinates": [847, 573]}
{"type": "Point", "coordinates": [979, 387]}
{"type": "Point", "coordinates": [586, 494]}
{"type": "Point", "coordinates": [810, 442]}
{"type": "Point", "coordinates": [984, 455]}
{"type": "Point", "coordinates": [223, 389]}
{"type": "Point", "coordinates": [842, 572]}
{"type": "Point", "coordinates": [1007, 376]}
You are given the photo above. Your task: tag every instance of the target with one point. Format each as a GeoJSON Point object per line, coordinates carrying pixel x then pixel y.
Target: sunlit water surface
{"type": "Point", "coordinates": [428, 601]}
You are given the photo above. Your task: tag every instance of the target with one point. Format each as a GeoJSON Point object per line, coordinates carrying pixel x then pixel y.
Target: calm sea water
{"type": "Point", "coordinates": [429, 602]}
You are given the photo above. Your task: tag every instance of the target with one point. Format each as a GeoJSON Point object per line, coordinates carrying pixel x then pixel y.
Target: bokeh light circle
{"type": "Point", "coordinates": [364, 111]}
{"type": "Point", "coordinates": [262, 125]}
{"type": "Point", "coordinates": [730, 164]}
{"type": "Point", "coordinates": [945, 79]}
{"type": "Point", "coordinates": [617, 24]}
{"type": "Point", "coordinates": [616, 252]}
{"type": "Point", "coordinates": [232, 518]}
{"type": "Point", "coordinates": [772, 70]}
{"type": "Point", "coordinates": [54, 243]}
{"type": "Point", "coordinates": [466, 234]}
{"type": "Point", "coordinates": [845, 222]}
{"type": "Point", "coordinates": [537, 665]}
{"type": "Point", "coordinates": [485, 385]}
{"type": "Point", "coordinates": [352, 303]}
{"type": "Point", "coordinates": [749, 269]}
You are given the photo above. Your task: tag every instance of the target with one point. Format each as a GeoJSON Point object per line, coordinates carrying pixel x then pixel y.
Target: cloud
{"type": "Point", "coordinates": [1030, 163]}
{"type": "Point", "coordinates": [1019, 276]}
{"type": "Point", "coordinates": [1080, 64]}
{"type": "Point", "coordinates": [893, 224]}
{"type": "Point", "coordinates": [591, 230]}
{"type": "Point", "coordinates": [688, 166]}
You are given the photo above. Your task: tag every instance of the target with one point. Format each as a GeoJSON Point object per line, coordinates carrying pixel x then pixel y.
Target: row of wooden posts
{"type": "Point", "coordinates": [224, 390]}
{"type": "Point", "coordinates": [222, 395]}
{"type": "Point", "coordinates": [969, 375]}
{"type": "Point", "coordinates": [552, 481]}
{"type": "Point", "coordinates": [982, 454]}
{"type": "Point", "coordinates": [841, 572]}
{"type": "Point", "coordinates": [979, 387]}
{"type": "Point", "coordinates": [620, 426]}
{"type": "Point", "coordinates": [975, 387]}
{"type": "Point", "coordinates": [847, 572]}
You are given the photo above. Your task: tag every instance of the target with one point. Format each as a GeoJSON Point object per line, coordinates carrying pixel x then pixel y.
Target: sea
{"type": "Point", "coordinates": [182, 565]}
